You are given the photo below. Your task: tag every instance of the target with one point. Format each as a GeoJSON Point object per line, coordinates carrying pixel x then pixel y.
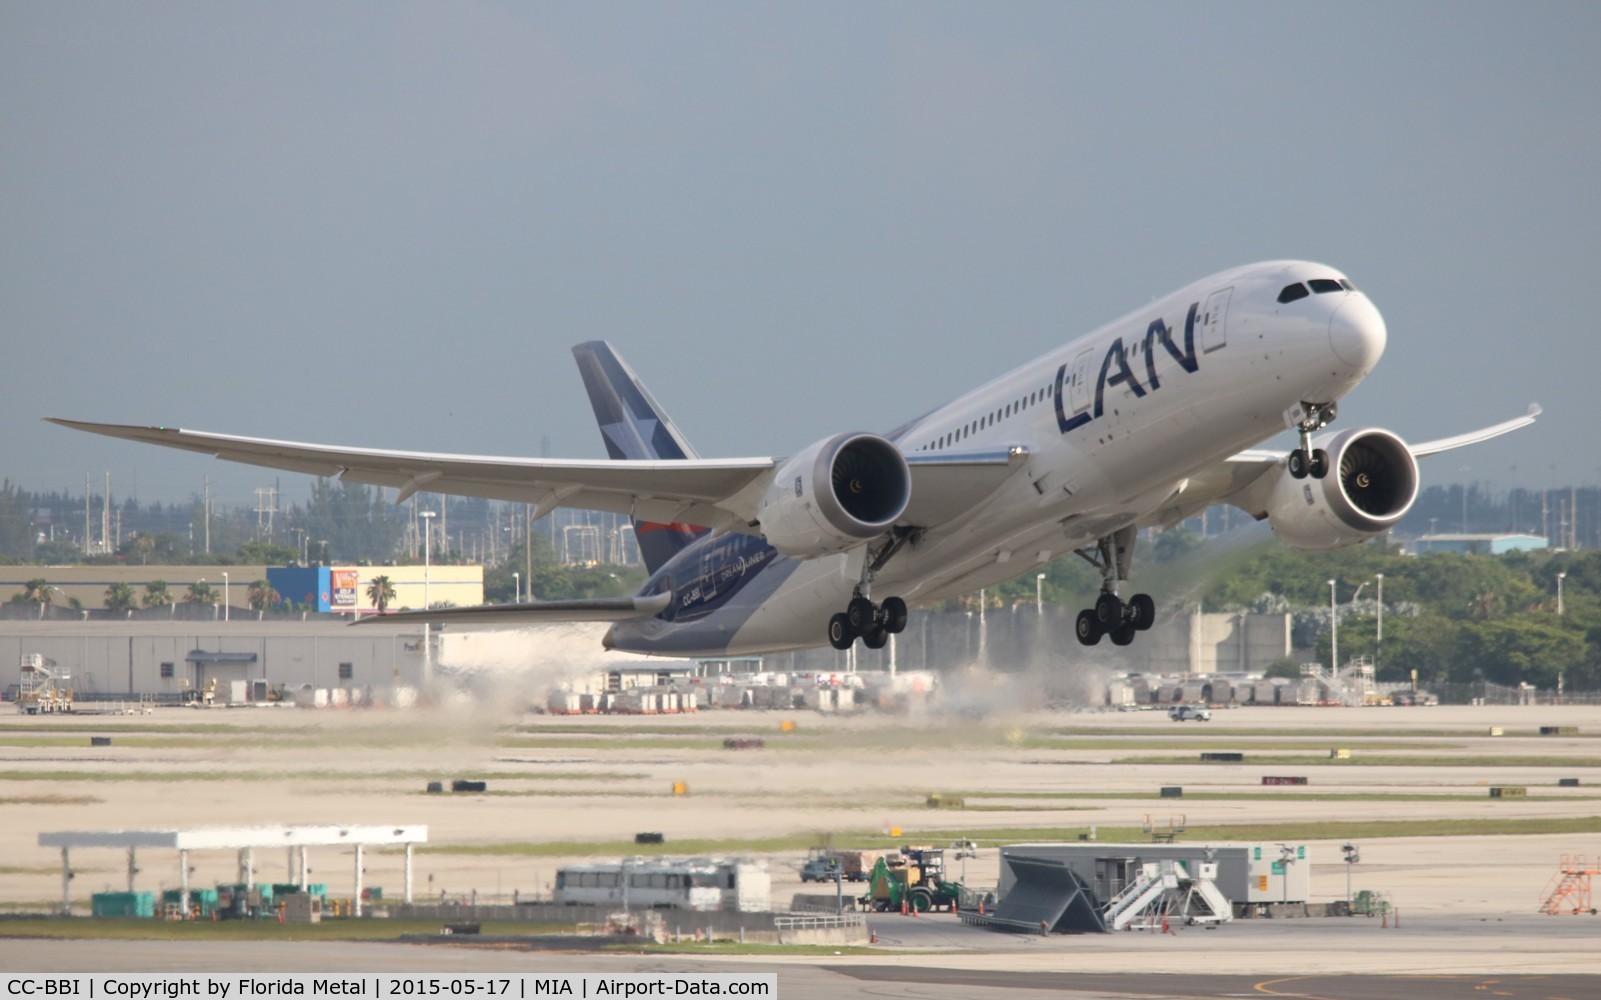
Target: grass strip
{"type": "Point", "coordinates": [940, 836]}
{"type": "Point", "coordinates": [1380, 760]}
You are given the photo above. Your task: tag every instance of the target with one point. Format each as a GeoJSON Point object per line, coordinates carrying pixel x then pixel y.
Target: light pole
{"type": "Point", "coordinates": [517, 587]}
{"type": "Point", "coordinates": [1039, 594]}
{"type": "Point", "coordinates": [225, 597]}
{"type": "Point", "coordinates": [1334, 632]}
{"type": "Point", "coordinates": [427, 631]}
{"type": "Point", "coordinates": [427, 537]}
{"type": "Point", "coordinates": [1379, 641]}
{"type": "Point", "coordinates": [1560, 578]}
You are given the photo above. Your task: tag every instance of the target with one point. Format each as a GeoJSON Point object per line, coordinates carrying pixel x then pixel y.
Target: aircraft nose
{"type": "Point", "coordinates": [1357, 333]}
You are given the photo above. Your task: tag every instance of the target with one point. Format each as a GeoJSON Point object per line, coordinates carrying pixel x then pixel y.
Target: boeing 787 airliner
{"type": "Point", "coordinates": [1145, 421]}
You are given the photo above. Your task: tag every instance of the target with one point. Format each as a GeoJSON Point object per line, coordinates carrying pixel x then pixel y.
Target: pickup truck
{"type": "Point", "coordinates": [1187, 713]}
{"type": "Point", "coordinates": [820, 869]}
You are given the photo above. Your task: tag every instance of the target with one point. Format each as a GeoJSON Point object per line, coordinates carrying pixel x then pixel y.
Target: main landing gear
{"type": "Point", "coordinates": [1306, 418]}
{"type": "Point", "coordinates": [872, 623]}
{"type": "Point", "coordinates": [1113, 555]}
{"type": "Point", "coordinates": [862, 619]}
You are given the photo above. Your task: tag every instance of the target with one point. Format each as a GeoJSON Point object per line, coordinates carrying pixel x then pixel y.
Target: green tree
{"type": "Point", "coordinates": [38, 591]}
{"type": "Point", "coordinates": [380, 592]}
{"type": "Point", "coordinates": [120, 597]}
{"type": "Point", "coordinates": [1518, 649]}
{"type": "Point", "coordinates": [262, 596]}
{"type": "Point", "coordinates": [156, 594]}
{"type": "Point", "coordinates": [57, 553]}
{"type": "Point", "coordinates": [258, 553]}
{"type": "Point", "coordinates": [16, 522]}
{"type": "Point", "coordinates": [200, 592]}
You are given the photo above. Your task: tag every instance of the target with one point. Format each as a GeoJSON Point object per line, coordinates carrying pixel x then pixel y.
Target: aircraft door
{"type": "Point", "coordinates": [1079, 388]}
{"type": "Point", "coordinates": [1214, 320]}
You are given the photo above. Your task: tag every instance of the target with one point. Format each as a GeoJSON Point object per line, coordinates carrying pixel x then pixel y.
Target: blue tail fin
{"type": "Point", "coordinates": [634, 427]}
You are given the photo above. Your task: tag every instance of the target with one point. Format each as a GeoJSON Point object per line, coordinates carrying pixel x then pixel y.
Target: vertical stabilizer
{"type": "Point", "coordinates": [634, 427]}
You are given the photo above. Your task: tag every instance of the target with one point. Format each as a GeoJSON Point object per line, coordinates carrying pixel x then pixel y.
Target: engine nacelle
{"type": "Point", "coordinates": [1371, 484]}
{"type": "Point", "coordinates": [835, 495]}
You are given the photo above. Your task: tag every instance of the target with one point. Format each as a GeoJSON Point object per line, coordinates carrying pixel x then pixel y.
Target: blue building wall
{"type": "Point", "coordinates": [304, 585]}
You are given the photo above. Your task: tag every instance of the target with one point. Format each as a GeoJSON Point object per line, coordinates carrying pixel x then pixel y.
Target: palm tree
{"type": "Point", "coordinates": [200, 593]}
{"type": "Point", "coordinates": [262, 596]}
{"type": "Point", "coordinates": [380, 592]}
{"type": "Point", "coordinates": [119, 597]}
{"type": "Point", "coordinates": [156, 594]}
{"type": "Point", "coordinates": [38, 591]}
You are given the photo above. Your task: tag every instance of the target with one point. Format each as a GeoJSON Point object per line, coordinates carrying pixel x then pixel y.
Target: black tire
{"type": "Point", "coordinates": [859, 613]}
{"type": "Point", "coordinates": [1088, 628]}
{"type": "Point", "coordinates": [840, 633]}
{"type": "Point", "coordinates": [1123, 635]}
{"type": "Point", "coordinates": [1108, 611]}
{"type": "Point", "coordinates": [1320, 464]}
{"type": "Point", "coordinates": [1143, 611]}
{"type": "Point", "coordinates": [1297, 464]}
{"type": "Point", "coordinates": [875, 638]}
{"type": "Point", "coordinates": [894, 615]}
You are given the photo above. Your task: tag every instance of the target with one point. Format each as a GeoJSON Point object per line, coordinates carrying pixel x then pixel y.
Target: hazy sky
{"type": "Point", "coordinates": [384, 224]}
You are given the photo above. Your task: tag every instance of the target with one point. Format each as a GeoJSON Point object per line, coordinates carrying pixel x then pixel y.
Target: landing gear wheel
{"type": "Point", "coordinates": [1088, 627]}
{"type": "Point", "coordinates": [840, 633]}
{"type": "Point", "coordinates": [875, 637]}
{"type": "Point", "coordinates": [1108, 611]}
{"type": "Point", "coordinates": [1142, 612]}
{"type": "Point", "coordinates": [894, 615]}
{"type": "Point", "coordinates": [1320, 464]}
{"type": "Point", "coordinates": [1297, 464]}
{"type": "Point", "coordinates": [859, 614]}
{"type": "Point", "coordinates": [1123, 634]}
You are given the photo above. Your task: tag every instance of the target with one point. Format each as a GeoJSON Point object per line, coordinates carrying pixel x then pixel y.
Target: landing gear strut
{"type": "Point", "coordinates": [862, 619]}
{"type": "Point", "coordinates": [1113, 555]}
{"type": "Point", "coordinates": [1306, 418]}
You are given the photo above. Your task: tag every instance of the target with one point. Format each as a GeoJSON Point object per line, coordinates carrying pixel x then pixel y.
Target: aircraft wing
{"type": "Point", "coordinates": [1241, 479]}
{"type": "Point", "coordinates": [1475, 437]}
{"type": "Point", "coordinates": [690, 491]}
{"type": "Point", "coordinates": [604, 609]}
{"type": "Point", "coordinates": [717, 493]}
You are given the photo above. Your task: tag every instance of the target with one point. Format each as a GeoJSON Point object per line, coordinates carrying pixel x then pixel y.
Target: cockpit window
{"type": "Point", "coordinates": [1346, 284]}
{"type": "Point", "coordinates": [1321, 285]}
{"type": "Point", "coordinates": [1293, 292]}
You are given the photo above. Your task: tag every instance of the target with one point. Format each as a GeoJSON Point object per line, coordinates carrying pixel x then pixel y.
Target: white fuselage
{"type": "Point", "coordinates": [1113, 423]}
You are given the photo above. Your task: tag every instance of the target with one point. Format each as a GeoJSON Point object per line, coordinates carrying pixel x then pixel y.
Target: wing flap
{"type": "Point", "coordinates": [946, 485]}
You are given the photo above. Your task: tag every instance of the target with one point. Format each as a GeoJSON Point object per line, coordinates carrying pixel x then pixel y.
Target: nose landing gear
{"type": "Point", "coordinates": [1306, 418]}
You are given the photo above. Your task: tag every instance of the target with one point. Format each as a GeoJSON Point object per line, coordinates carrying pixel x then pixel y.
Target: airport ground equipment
{"type": "Point", "coordinates": [1167, 891]}
{"type": "Point", "coordinates": [822, 865]}
{"type": "Point", "coordinates": [44, 688]}
{"type": "Point", "coordinates": [1569, 889]}
{"type": "Point", "coordinates": [702, 884]}
{"type": "Point", "coordinates": [1190, 713]}
{"type": "Point", "coordinates": [913, 880]}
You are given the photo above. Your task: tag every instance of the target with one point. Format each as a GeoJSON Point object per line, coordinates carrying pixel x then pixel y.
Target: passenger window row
{"type": "Point", "coordinates": [989, 420]}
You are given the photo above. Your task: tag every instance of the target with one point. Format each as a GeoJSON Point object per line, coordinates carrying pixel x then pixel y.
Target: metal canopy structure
{"type": "Point", "coordinates": [245, 840]}
{"type": "Point", "coordinates": [1048, 896]}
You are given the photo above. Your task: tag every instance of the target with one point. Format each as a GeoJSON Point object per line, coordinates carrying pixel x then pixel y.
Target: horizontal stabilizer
{"type": "Point", "coordinates": [600, 609]}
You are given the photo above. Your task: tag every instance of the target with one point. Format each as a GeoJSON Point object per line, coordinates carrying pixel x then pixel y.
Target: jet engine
{"type": "Point", "coordinates": [1371, 484]}
{"type": "Point", "coordinates": [835, 495]}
